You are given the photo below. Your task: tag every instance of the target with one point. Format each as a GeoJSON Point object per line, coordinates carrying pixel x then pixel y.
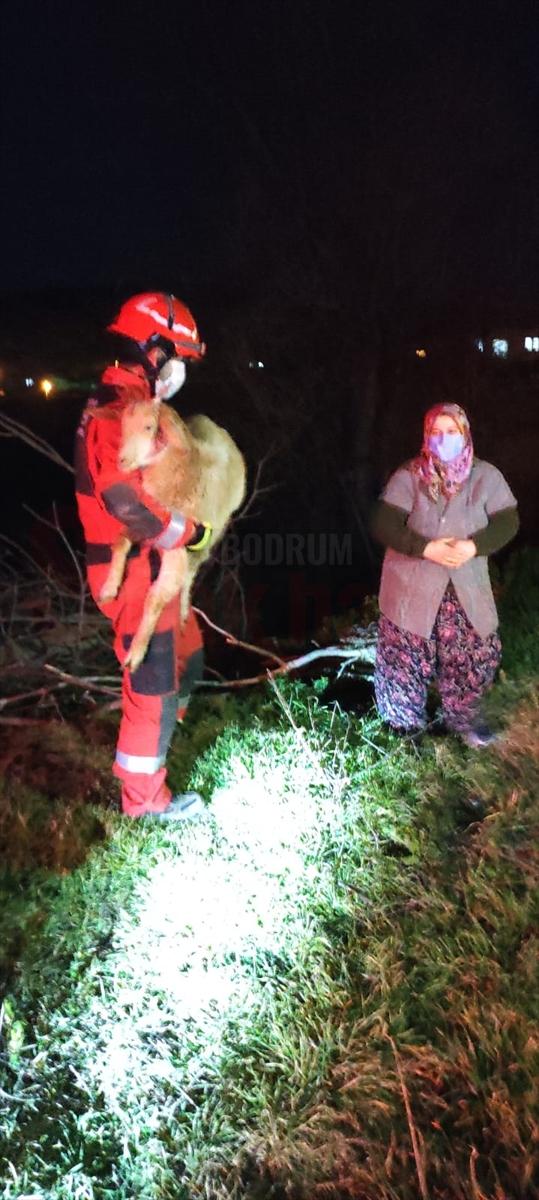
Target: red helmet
{"type": "Point", "coordinates": [150, 316]}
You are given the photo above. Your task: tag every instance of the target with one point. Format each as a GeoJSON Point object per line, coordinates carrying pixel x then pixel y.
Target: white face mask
{"type": "Point", "coordinates": [170, 379]}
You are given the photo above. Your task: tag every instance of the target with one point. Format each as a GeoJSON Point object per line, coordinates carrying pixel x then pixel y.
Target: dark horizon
{"type": "Point", "coordinates": [374, 159]}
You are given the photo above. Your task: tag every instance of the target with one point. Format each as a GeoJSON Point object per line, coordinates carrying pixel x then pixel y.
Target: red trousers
{"type": "Point", "coordinates": [156, 695]}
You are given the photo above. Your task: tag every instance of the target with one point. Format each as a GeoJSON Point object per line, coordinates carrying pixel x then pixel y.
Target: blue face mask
{"type": "Point", "coordinates": [446, 446]}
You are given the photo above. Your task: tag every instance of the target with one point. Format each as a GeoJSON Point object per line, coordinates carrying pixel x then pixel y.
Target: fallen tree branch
{"type": "Point", "coordinates": [43, 691]}
{"type": "Point", "coordinates": [87, 682]}
{"type": "Point", "coordinates": [232, 640]}
{"type": "Point", "coordinates": [293, 664]}
{"type": "Point", "coordinates": [284, 666]}
{"type": "Point", "coordinates": [23, 721]}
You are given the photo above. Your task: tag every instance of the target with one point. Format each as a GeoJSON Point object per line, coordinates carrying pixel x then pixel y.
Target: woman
{"type": "Point", "coordinates": [440, 516]}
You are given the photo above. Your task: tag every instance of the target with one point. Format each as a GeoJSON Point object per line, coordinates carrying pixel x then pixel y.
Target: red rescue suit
{"type": "Point", "coordinates": [156, 695]}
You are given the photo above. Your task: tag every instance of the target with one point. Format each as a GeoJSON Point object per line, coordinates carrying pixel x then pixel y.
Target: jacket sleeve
{"type": "Point", "coordinates": [123, 494]}
{"type": "Point", "coordinates": [389, 518]}
{"type": "Point", "coordinates": [389, 526]}
{"type": "Point", "coordinates": [501, 528]}
{"type": "Point", "coordinates": [502, 513]}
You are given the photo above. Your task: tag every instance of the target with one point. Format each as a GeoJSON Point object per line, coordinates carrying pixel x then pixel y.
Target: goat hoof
{"type": "Point", "coordinates": [134, 657]}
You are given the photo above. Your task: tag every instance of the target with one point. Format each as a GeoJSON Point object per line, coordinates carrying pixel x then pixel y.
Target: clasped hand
{"type": "Point", "coordinates": [450, 552]}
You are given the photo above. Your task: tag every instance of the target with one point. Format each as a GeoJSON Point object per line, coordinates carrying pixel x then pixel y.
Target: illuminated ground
{"type": "Point", "coordinates": [327, 986]}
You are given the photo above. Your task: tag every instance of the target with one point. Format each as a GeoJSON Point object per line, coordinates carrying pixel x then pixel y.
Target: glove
{"type": "Point", "coordinates": [200, 538]}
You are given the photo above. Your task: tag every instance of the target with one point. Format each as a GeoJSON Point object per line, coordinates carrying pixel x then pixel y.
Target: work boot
{"type": "Point", "coordinates": [479, 736]}
{"type": "Point", "coordinates": [182, 807]}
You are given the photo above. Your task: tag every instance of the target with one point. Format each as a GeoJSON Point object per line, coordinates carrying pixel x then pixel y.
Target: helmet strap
{"type": "Point", "coordinates": [151, 374]}
{"type": "Point", "coordinates": [170, 305]}
{"type": "Point", "coordinates": [151, 370]}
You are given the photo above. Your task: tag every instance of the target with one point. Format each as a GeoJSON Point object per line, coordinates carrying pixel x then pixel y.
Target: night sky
{"type": "Point", "coordinates": [373, 152]}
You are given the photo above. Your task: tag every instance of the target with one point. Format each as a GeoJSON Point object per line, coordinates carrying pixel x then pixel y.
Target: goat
{"type": "Point", "coordinates": [193, 466]}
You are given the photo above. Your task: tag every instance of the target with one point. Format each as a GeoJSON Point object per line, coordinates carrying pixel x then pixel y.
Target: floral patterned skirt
{"type": "Point", "coordinates": [462, 664]}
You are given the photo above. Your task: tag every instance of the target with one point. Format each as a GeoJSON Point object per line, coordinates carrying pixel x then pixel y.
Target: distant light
{"type": "Point", "coordinates": [421, 353]}
{"type": "Point", "coordinates": [531, 343]}
{"type": "Point", "coordinates": [46, 387]}
{"type": "Point", "coordinates": [480, 345]}
{"type": "Point", "coordinates": [29, 381]}
{"type": "Point", "coordinates": [256, 365]}
{"type": "Point", "coordinates": [500, 347]}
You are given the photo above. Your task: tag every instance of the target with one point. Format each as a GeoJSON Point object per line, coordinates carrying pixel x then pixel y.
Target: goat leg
{"type": "Point", "coordinates": [113, 582]}
{"type": "Point", "coordinates": [169, 582]}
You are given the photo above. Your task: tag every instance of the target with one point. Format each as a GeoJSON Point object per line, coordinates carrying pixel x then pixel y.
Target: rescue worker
{"type": "Point", "coordinates": [156, 333]}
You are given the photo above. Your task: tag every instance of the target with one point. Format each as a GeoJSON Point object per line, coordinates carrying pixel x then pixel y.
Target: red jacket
{"type": "Point", "coordinates": [109, 500]}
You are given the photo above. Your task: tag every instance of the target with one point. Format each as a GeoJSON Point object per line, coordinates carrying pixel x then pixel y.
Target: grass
{"type": "Point", "coordinates": [327, 987]}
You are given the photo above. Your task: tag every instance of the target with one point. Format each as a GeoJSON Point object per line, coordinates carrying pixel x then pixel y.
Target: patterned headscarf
{"type": "Point", "coordinates": [435, 475]}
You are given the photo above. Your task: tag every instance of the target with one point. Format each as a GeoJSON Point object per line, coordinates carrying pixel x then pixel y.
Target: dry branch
{"type": "Point", "coordinates": [232, 640]}
{"type": "Point", "coordinates": [12, 428]}
{"type": "Point", "coordinates": [23, 721]}
{"type": "Point", "coordinates": [284, 667]}
{"type": "Point", "coordinates": [88, 682]}
{"type": "Point", "coordinates": [57, 528]}
{"type": "Point", "coordinates": [42, 692]}
{"type": "Point", "coordinates": [257, 491]}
